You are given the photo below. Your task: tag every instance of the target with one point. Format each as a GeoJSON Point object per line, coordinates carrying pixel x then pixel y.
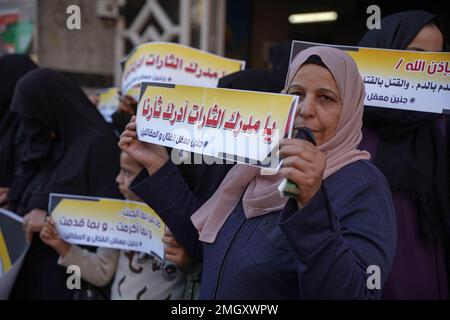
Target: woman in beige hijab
{"type": "Point", "coordinates": [336, 240]}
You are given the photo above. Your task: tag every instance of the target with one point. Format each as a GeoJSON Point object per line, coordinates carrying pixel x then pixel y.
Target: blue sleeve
{"type": "Point", "coordinates": [168, 194]}
{"type": "Point", "coordinates": [337, 243]}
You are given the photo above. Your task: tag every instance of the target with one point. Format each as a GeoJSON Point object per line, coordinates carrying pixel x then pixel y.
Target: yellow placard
{"type": "Point", "coordinates": [108, 103]}
{"type": "Point", "coordinates": [399, 79]}
{"type": "Point", "coordinates": [5, 260]}
{"type": "Point", "coordinates": [244, 126]}
{"type": "Point", "coordinates": [173, 63]}
{"type": "Point", "coordinates": [121, 224]}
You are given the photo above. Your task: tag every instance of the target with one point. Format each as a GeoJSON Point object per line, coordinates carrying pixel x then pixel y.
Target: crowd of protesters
{"type": "Point", "coordinates": [374, 189]}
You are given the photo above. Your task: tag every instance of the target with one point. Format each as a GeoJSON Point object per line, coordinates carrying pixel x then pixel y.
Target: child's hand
{"type": "Point", "coordinates": [49, 235]}
{"type": "Point", "coordinates": [3, 196]}
{"type": "Point", "coordinates": [33, 222]}
{"type": "Point", "coordinates": [173, 251]}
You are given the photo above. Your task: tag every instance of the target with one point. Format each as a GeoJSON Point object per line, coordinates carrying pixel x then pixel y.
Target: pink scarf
{"type": "Point", "coordinates": [259, 192]}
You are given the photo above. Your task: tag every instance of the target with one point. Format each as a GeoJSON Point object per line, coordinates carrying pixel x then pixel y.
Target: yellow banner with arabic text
{"type": "Point", "coordinates": [237, 125]}
{"type": "Point", "coordinates": [113, 223]}
{"type": "Point", "coordinates": [174, 63]}
{"type": "Point", "coordinates": [399, 79]}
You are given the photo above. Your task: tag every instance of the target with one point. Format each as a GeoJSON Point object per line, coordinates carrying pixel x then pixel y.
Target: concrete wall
{"type": "Point", "coordinates": [89, 50]}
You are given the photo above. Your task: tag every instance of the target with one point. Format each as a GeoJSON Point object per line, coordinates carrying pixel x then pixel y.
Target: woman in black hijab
{"type": "Point", "coordinates": [68, 148]}
{"type": "Point", "coordinates": [410, 149]}
{"type": "Point", "coordinates": [12, 68]}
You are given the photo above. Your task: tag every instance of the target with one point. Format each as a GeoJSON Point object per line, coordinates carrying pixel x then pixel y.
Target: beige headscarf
{"type": "Point", "coordinates": [260, 194]}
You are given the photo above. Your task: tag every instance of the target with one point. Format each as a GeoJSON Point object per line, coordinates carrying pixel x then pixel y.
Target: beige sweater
{"type": "Point", "coordinates": [137, 276]}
